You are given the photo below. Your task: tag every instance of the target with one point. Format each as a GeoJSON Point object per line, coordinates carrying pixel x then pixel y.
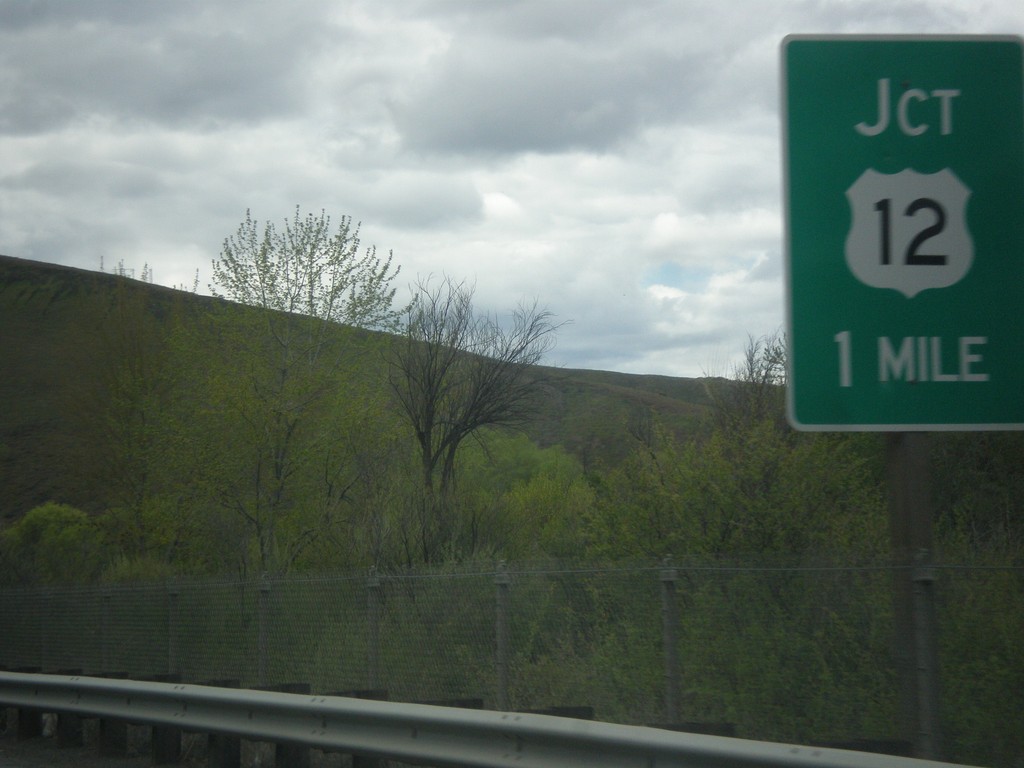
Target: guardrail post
{"type": "Point", "coordinates": [502, 631]}
{"type": "Point", "coordinates": [373, 613]}
{"type": "Point", "coordinates": [30, 720]}
{"type": "Point", "coordinates": [30, 724]}
{"type": "Point", "coordinates": [69, 725]}
{"type": "Point", "coordinates": [362, 761]}
{"type": "Point", "coordinates": [670, 636]}
{"type": "Point", "coordinates": [113, 732]}
{"type": "Point", "coordinates": [165, 740]}
{"type": "Point", "coordinates": [289, 754]}
{"type": "Point", "coordinates": [223, 750]}
{"type": "Point", "coordinates": [263, 649]}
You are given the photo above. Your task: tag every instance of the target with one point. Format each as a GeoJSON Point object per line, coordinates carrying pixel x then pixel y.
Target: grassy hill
{"type": "Point", "coordinates": [49, 314]}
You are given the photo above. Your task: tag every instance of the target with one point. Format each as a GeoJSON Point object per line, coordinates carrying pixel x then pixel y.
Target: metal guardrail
{"type": "Point", "coordinates": [415, 733]}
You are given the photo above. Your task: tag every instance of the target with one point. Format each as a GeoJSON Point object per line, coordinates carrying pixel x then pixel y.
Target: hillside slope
{"type": "Point", "coordinates": [47, 310]}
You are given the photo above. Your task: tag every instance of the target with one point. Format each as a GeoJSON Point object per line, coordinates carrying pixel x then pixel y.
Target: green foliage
{"type": "Point", "coordinates": [306, 270]}
{"type": "Point", "coordinates": [137, 570]}
{"type": "Point", "coordinates": [53, 544]}
{"type": "Point", "coordinates": [639, 509]}
{"type": "Point", "coordinates": [756, 489]}
{"type": "Point", "coordinates": [981, 623]}
{"type": "Point", "coordinates": [979, 483]}
{"type": "Point", "coordinates": [286, 446]}
{"type": "Point", "coordinates": [195, 436]}
{"type": "Point", "coordinates": [290, 464]}
{"type": "Point", "coordinates": [517, 501]}
{"type": "Point", "coordinates": [795, 654]}
{"type": "Point", "coordinates": [106, 404]}
{"type": "Point", "coordinates": [588, 638]}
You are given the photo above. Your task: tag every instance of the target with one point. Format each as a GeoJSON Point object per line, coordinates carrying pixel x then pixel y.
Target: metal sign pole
{"type": "Point", "coordinates": [910, 514]}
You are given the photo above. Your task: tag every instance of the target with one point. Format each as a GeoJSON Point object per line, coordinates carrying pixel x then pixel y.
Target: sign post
{"type": "Point", "coordinates": [904, 196]}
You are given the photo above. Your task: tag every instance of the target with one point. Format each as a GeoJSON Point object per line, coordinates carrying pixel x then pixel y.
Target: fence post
{"type": "Point", "coordinates": [43, 645]}
{"type": "Point", "coordinates": [927, 655]}
{"type": "Point", "coordinates": [373, 613]}
{"type": "Point", "coordinates": [263, 651]}
{"type": "Point", "coordinates": [670, 638]}
{"type": "Point", "coordinates": [105, 615]}
{"type": "Point", "coordinates": [502, 631]}
{"type": "Point", "coordinates": [173, 618]}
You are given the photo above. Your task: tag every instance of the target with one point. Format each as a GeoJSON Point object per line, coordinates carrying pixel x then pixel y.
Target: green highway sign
{"type": "Point", "coordinates": [904, 197]}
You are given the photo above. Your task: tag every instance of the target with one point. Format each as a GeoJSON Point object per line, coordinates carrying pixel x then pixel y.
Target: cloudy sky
{"type": "Point", "coordinates": [617, 161]}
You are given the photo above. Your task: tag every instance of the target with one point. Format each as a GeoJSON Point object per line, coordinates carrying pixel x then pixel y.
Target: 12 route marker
{"type": "Point", "coordinates": [904, 168]}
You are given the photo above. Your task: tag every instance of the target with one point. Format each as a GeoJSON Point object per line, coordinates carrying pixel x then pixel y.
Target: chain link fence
{"type": "Point", "coordinates": [782, 653]}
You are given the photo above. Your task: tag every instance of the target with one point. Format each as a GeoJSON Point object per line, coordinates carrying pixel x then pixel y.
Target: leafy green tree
{"type": "Point", "coordinates": [304, 269]}
{"type": "Point", "coordinates": [518, 501]}
{"type": "Point", "coordinates": [640, 509]}
{"type": "Point", "coordinates": [980, 622]}
{"type": "Point", "coordinates": [749, 485]}
{"type": "Point", "coordinates": [770, 492]}
{"type": "Point", "coordinates": [52, 544]}
{"type": "Point", "coordinates": [125, 412]}
{"type": "Point", "coordinates": [290, 471]}
{"type": "Point", "coordinates": [455, 372]}
{"type": "Point", "coordinates": [979, 481]}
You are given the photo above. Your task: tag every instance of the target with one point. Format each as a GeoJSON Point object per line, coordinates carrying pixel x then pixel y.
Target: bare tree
{"type": "Point", "coordinates": [757, 388]}
{"type": "Point", "coordinates": [454, 372]}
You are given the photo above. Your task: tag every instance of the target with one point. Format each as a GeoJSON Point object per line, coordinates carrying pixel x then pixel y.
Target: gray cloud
{"type": "Point", "coordinates": [549, 77]}
{"type": "Point", "coordinates": [491, 96]}
{"type": "Point", "coordinates": [21, 15]}
{"type": "Point", "coordinates": [617, 161]}
{"type": "Point", "coordinates": [86, 177]}
{"type": "Point", "coordinates": [422, 201]}
{"type": "Point", "coordinates": [204, 67]}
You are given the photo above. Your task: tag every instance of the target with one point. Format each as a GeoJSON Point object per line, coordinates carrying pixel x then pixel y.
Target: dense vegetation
{"type": "Point", "coordinates": [146, 433]}
{"type": "Point", "coordinates": [145, 411]}
{"type": "Point", "coordinates": [138, 437]}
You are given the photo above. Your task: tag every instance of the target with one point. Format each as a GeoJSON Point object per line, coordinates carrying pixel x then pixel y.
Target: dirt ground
{"type": "Point", "coordinates": [43, 752]}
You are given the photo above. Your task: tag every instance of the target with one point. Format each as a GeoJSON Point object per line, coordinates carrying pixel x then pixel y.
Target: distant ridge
{"type": "Point", "coordinates": [43, 306]}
